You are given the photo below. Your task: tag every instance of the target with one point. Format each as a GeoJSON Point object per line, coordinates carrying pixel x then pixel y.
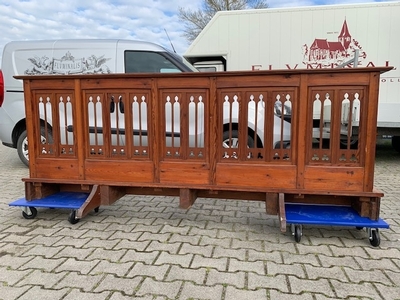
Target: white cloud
{"type": "Point", "coordinates": [124, 19]}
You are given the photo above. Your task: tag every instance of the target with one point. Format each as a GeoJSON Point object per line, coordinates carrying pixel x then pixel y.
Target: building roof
{"type": "Point", "coordinates": [336, 46]}
{"type": "Point", "coordinates": [345, 30]}
{"type": "Point", "coordinates": [320, 44]}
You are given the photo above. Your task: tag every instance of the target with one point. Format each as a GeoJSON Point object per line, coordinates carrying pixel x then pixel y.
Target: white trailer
{"type": "Point", "coordinates": [310, 37]}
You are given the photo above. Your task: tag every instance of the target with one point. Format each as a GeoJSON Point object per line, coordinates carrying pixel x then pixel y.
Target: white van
{"type": "Point", "coordinates": [70, 57]}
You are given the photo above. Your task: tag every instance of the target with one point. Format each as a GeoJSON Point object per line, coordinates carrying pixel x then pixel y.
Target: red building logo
{"type": "Point", "coordinates": [330, 54]}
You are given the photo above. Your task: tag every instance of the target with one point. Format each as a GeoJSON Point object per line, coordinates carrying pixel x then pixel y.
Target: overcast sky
{"type": "Point", "coordinates": [124, 19]}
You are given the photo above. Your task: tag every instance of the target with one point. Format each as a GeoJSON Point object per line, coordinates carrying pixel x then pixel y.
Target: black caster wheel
{"type": "Point", "coordinates": [297, 233]}
{"type": "Point", "coordinates": [96, 210]}
{"type": "Point", "coordinates": [374, 237]}
{"type": "Point", "coordinates": [359, 228]}
{"type": "Point", "coordinates": [32, 215]}
{"type": "Point", "coordinates": [72, 217]}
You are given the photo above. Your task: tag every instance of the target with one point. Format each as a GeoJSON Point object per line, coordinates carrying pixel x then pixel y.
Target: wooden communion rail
{"type": "Point", "coordinates": [275, 136]}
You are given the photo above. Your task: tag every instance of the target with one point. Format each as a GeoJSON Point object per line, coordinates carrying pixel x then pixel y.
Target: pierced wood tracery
{"type": "Point", "coordinates": [259, 131]}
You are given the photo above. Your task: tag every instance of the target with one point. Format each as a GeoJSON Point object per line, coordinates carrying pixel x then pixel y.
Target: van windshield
{"type": "Point", "coordinates": [153, 62]}
{"type": "Point", "coordinates": [183, 60]}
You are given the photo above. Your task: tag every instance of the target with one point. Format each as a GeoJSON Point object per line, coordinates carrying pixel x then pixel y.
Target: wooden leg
{"type": "Point", "coordinates": [272, 204]}
{"type": "Point", "coordinates": [282, 212]}
{"type": "Point", "coordinates": [38, 190]}
{"type": "Point", "coordinates": [375, 208]}
{"type": "Point", "coordinates": [92, 202]}
{"type": "Point", "coordinates": [186, 198]}
{"type": "Point", "coordinates": [110, 194]}
{"type": "Point", "coordinates": [368, 207]}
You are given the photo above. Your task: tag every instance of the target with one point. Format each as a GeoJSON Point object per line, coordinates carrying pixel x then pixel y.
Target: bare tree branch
{"type": "Point", "coordinates": [196, 20]}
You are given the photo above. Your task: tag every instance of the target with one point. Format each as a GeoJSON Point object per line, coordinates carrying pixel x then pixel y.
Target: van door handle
{"type": "Point", "coordinates": [112, 105]}
{"type": "Point", "coordinates": [121, 105]}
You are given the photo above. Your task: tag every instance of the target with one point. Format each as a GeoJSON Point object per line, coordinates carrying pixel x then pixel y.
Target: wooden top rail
{"type": "Point", "coordinates": [290, 131]}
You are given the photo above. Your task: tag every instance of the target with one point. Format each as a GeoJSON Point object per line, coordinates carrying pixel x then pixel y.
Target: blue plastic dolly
{"type": "Point", "coordinates": [63, 200]}
{"type": "Point", "coordinates": [298, 215]}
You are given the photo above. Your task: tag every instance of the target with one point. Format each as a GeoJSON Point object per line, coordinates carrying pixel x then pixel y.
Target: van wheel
{"type": "Point", "coordinates": [353, 143]}
{"type": "Point", "coordinates": [22, 144]}
{"type": "Point", "coordinates": [232, 141]}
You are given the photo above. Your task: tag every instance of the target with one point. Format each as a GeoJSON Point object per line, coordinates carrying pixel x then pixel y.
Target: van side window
{"type": "Point", "coordinates": [148, 62]}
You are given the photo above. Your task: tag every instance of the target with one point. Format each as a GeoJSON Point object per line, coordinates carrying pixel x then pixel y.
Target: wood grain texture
{"type": "Point", "coordinates": [163, 134]}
